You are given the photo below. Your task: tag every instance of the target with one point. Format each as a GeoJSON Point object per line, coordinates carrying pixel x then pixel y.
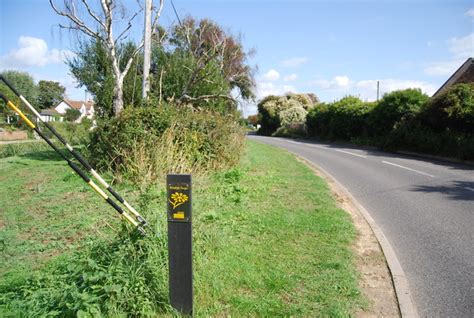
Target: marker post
{"type": "Point", "coordinates": [180, 242]}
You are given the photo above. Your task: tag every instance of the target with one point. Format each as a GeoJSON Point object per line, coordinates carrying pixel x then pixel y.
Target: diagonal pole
{"type": "Point", "coordinates": [73, 165]}
{"type": "Point", "coordinates": [76, 154]}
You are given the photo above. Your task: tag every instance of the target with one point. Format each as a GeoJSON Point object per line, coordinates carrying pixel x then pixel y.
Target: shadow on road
{"type": "Point", "coordinates": [458, 190]}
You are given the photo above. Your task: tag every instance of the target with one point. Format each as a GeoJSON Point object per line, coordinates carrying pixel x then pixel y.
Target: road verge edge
{"type": "Point", "coordinates": [402, 291]}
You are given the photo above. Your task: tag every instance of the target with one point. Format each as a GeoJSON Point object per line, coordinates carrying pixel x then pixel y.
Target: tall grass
{"type": "Point", "coordinates": [167, 140]}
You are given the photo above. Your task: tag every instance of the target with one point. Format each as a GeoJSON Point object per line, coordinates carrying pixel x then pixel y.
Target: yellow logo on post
{"type": "Point", "coordinates": [177, 199]}
{"type": "Point", "coordinates": [178, 215]}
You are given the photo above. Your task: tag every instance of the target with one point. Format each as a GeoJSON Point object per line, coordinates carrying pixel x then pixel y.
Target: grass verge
{"type": "Point", "coordinates": [269, 240]}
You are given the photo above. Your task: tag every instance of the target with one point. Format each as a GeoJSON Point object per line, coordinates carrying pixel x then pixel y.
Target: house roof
{"type": "Point", "coordinates": [464, 74]}
{"type": "Point", "coordinates": [77, 104]}
{"type": "Point", "coordinates": [50, 112]}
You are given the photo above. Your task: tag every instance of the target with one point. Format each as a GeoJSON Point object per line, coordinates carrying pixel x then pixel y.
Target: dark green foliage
{"type": "Point", "coordinates": [268, 111]}
{"type": "Point", "coordinates": [453, 110]}
{"type": "Point", "coordinates": [403, 120]}
{"type": "Point", "coordinates": [50, 94]}
{"type": "Point", "coordinates": [339, 120]}
{"type": "Point", "coordinates": [72, 114]}
{"type": "Point", "coordinates": [414, 136]}
{"type": "Point", "coordinates": [394, 108]}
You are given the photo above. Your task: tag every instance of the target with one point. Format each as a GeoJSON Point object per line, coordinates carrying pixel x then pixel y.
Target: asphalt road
{"type": "Point", "coordinates": [425, 208]}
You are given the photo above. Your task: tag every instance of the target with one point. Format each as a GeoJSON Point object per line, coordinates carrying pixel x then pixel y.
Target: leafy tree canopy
{"type": "Point", "coordinates": [50, 93]}
{"type": "Point", "coordinates": [23, 82]}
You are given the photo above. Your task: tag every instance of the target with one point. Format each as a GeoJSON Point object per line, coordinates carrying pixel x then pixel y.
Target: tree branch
{"type": "Point", "coordinates": [71, 15]}
{"type": "Point", "coordinates": [187, 98]}
{"type": "Point", "coordinates": [92, 14]}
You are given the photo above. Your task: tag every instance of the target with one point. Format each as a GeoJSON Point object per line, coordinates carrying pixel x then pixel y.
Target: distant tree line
{"type": "Point", "coordinates": [43, 95]}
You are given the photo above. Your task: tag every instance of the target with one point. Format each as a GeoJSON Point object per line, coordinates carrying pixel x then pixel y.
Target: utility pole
{"type": "Point", "coordinates": [146, 49]}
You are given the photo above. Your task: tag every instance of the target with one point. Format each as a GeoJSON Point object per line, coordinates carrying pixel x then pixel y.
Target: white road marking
{"type": "Point", "coordinates": [403, 167]}
{"type": "Point", "coordinates": [351, 153]}
{"type": "Point", "coordinates": [468, 188]}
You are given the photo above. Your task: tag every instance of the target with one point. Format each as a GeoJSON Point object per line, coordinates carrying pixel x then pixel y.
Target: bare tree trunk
{"type": "Point", "coordinates": [101, 29]}
{"type": "Point", "coordinates": [118, 96]}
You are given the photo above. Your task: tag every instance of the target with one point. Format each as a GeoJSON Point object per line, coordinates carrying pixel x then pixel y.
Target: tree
{"type": "Point", "coordinates": [72, 114]}
{"type": "Point", "coordinates": [24, 83]}
{"type": "Point", "coordinates": [92, 69]}
{"type": "Point", "coordinates": [101, 27]}
{"type": "Point", "coordinates": [210, 47]}
{"type": "Point", "coordinates": [50, 93]}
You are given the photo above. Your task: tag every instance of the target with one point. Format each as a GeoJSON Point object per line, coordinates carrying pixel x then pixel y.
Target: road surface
{"type": "Point", "coordinates": [424, 207]}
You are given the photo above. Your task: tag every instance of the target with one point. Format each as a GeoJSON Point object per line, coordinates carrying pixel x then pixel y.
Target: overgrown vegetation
{"type": "Point", "coordinates": [145, 143]}
{"type": "Point", "coordinates": [402, 120]}
{"type": "Point", "coordinates": [259, 249]}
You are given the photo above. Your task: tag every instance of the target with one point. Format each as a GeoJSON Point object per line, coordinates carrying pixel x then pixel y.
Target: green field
{"type": "Point", "coordinates": [268, 241]}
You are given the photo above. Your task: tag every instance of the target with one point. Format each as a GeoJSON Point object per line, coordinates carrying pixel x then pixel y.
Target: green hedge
{"type": "Point", "coordinates": [343, 119]}
{"type": "Point", "coordinates": [402, 120]}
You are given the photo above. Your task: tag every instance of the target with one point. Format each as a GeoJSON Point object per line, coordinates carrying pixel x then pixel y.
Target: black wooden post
{"type": "Point", "coordinates": [180, 242]}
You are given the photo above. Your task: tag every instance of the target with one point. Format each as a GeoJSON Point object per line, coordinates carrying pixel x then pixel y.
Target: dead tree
{"type": "Point", "coordinates": [102, 29]}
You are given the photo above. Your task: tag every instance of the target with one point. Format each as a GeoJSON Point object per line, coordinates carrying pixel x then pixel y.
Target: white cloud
{"type": "Point", "coordinates": [461, 49]}
{"type": "Point", "coordinates": [367, 89]}
{"type": "Point", "coordinates": [444, 68]}
{"type": "Point", "coordinates": [342, 81]}
{"type": "Point", "coordinates": [271, 75]}
{"type": "Point", "coordinates": [268, 88]}
{"type": "Point", "coordinates": [294, 62]}
{"type": "Point", "coordinates": [470, 12]}
{"type": "Point", "coordinates": [291, 78]}
{"type": "Point", "coordinates": [338, 82]}
{"type": "Point", "coordinates": [32, 52]}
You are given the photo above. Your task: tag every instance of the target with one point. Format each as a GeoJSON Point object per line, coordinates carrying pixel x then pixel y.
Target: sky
{"type": "Point", "coordinates": [329, 48]}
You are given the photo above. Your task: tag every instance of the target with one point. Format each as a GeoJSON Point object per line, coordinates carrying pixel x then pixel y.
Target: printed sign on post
{"type": "Point", "coordinates": [179, 202]}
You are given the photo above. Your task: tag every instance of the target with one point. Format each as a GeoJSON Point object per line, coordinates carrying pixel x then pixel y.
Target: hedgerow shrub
{"type": "Point", "coordinates": [145, 143]}
{"type": "Point", "coordinates": [343, 119]}
{"type": "Point", "coordinates": [394, 108]}
{"type": "Point", "coordinates": [294, 114]}
{"type": "Point", "coordinates": [414, 136]}
{"type": "Point", "coordinates": [271, 108]}
{"type": "Point", "coordinates": [453, 110]}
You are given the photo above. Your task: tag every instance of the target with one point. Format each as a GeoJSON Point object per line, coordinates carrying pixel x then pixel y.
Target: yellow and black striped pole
{"type": "Point", "coordinates": [76, 154]}
{"type": "Point", "coordinates": [73, 165]}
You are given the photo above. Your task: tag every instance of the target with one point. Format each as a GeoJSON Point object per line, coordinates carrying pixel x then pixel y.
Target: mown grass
{"type": "Point", "coordinates": [268, 241]}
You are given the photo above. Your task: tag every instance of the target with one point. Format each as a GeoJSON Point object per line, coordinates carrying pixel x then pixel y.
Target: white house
{"type": "Point", "coordinates": [57, 113]}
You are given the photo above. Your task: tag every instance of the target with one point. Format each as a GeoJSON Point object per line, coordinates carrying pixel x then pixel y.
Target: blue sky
{"type": "Point", "coordinates": [330, 48]}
